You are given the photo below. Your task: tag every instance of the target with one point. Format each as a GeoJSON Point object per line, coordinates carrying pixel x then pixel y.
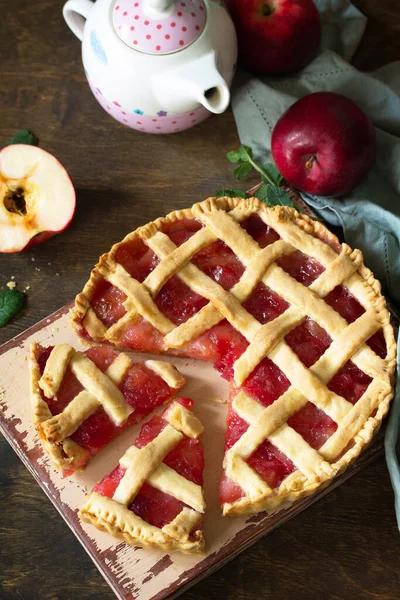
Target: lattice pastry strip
{"type": "Point", "coordinates": [101, 389]}
{"type": "Point", "coordinates": [145, 465]}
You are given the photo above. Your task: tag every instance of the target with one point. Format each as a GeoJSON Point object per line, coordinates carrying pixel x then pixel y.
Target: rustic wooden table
{"type": "Point", "coordinates": [344, 547]}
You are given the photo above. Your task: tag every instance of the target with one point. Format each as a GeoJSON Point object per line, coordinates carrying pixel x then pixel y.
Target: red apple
{"type": "Point", "coordinates": [324, 144]}
{"type": "Point", "coordinates": [276, 36]}
{"type": "Point", "coordinates": [37, 198]}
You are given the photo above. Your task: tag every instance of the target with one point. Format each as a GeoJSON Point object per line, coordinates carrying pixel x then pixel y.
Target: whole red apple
{"type": "Point", "coordinates": [324, 144]}
{"type": "Point", "coordinates": [37, 198]}
{"type": "Point", "coordinates": [276, 36]}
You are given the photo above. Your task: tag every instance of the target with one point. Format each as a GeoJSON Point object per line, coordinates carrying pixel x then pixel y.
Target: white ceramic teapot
{"type": "Point", "coordinates": [158, 66]}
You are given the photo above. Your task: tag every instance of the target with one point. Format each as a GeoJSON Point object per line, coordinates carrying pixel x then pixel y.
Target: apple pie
{"type": "Point", "coordinates": [288, 315]}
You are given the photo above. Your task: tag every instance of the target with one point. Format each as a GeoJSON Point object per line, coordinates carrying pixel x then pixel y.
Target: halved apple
{"type": "Point", "coordinates": [37, 198]}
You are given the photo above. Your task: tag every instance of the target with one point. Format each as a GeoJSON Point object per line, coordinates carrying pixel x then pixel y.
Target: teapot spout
{"type": "Point", "coordinates": [216, 98]}
{"type": "Point", "coordinates": [199, 82]}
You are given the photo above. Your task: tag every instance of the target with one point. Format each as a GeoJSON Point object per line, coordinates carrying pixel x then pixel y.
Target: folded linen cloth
{"type": "Point", "coordinates": [370, 215]}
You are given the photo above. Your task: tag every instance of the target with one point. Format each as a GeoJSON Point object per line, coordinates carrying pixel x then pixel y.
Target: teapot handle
{"type": "Point", "coordinates": [75, 13]}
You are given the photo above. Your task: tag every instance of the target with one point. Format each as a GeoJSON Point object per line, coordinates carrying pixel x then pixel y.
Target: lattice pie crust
{"type": "Point", "coordinates": [221, 219]}
{"type": "Point", "coordinates": [145, 465]}
{"type": "Point", "coordinates": [101, 389]}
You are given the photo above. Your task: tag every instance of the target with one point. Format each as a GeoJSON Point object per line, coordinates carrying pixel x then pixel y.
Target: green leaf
{"type": "Point", "coordinates": [242, 170]}
{"type": "Point", "coordinates": [245, 153]}
{"type": "Point", "coordinates": [24, 137]}
{"type": "Point", "coordinates": [278, 197]}
{"type": "Point", "coordinates": [233, 156]}
{"type": "Point", "coordinates": [11, 302]}
{"type": "Point", "coordinates": [273, 173]}
{"type": "Point", "coordinates": [231, 193]}
{"type": "Point", "coordinates": [262, 192]}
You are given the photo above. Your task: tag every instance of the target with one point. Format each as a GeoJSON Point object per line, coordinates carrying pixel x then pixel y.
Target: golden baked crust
{"type": "Point", "coordinates": [145, 465]}
{"type": "Point", "coordinates": [100, 390]}
{"type": "Point", "coordinates": [221, 220]}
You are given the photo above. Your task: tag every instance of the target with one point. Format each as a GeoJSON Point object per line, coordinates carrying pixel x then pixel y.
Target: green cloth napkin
{"type": "Point", "coordinates": [370, 215]}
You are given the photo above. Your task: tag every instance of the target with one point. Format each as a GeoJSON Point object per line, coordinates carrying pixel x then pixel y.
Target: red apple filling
{"type": "Point", "coordinates": [222, 344]}
{"type": "Point", "coordinates": [150, 504]}
{"type": "Point", "coordinates": [143, 389]}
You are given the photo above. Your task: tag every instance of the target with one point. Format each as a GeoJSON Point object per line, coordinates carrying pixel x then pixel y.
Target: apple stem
{"type": "Point", "coordinates": [310, 161]}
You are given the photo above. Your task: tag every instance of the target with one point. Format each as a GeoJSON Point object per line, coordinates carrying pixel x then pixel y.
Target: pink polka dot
{"type": "Point", "coordinates": [138, 122]}
{"type": "Point", "coordinates": [193, 121]}
{"type": "Point", "coordinates": [108, 107]}
{"type": "Point", "coordinates": [158, 48]}
{"type": "Point", "coordinates": [159, 26]}
{"type": "Point", "coordinates": [183, 3]}
{"type": "Point", "coordinates": [117, 8]}
{"type": "Point", "coordinates": [197, 28]}
{"type": "Point", "coordinates": [179, 14]}
{"type": "Point", "coordinates": [201, 7]}
{"type": "Point", "coordinates": [193, 14]}
{"type": "Point", "coordinates": [184, 28]}
{"type": "Point", "coordinates": [181, 43]}
{"type": "Point", "coordinates": [147, 22]}
{"type": "Point", "coordinates": [124, 113]}
{"type": "Point", "coordinates": [148, 37]}
{"type": "Point", "coordinates": [136, 17]}
{"type": "Point", "coordinates": [167, 36]}
{"type": "Point", "coordinates": [125, 120]}
{"type": "Point", "coordinates": [116, 103]}
{"type": "Point", "coordinates": [173, 122]}
{"type": "Point", "coordinates": [158, 127]}
{"type": "Point", "coordinates": [154, 120]}
{"type": "Point", "coordinates": [142, 129]}
{"type": "Point", "coordinates": [176, 129]}
{"type": "Point", "coordinates": [136, 4]}
{"type": "Point", "coordinates": [173, 24]}
{"type": "Point", "coordinates": [191, 114]}
{"type": "Point", "coordinates": [125, 13]}
{"type": "Point", "coordinates": [132, 28]}
{"type": "Point", "coordinates": [135, 42]}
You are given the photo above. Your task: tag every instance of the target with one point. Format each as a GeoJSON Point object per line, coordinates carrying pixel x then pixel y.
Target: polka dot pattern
{"type": "Point", "coordinates": [162, 122]}
{"type": "Point", "coordinates": [162, 36]}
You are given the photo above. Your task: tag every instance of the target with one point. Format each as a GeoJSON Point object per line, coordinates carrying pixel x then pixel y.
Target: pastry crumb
{"type": "Point", "coordinates": [11, 285]}
{"type": "Point", "coordinates": [57, 274]}
{"type": "Point", "coordinates": [12, 277]}
{"type": "Point", "coordinates": [33, 258]}
{"type": "Point", "coordinates": [220, 400]}
{"type": "Point", "coordinates": [28, 287]}
{"type": "Point", "coordinates": [37, 269]}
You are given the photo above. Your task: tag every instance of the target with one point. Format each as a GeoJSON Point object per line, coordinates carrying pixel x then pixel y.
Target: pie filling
{"type": "Point", "coordinates": [141, 387]}
{"type": "Point", "coordinates": [223, 345]}
{"type": "Point", "coordinates": [152, 505]}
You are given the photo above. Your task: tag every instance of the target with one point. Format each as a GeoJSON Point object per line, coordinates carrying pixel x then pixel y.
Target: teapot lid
{"type": "Point", "coordinates": [158, 26]}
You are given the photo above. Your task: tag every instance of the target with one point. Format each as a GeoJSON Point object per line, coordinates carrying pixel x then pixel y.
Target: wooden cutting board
{"type": "Point", "coordinates": [134, 572]}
